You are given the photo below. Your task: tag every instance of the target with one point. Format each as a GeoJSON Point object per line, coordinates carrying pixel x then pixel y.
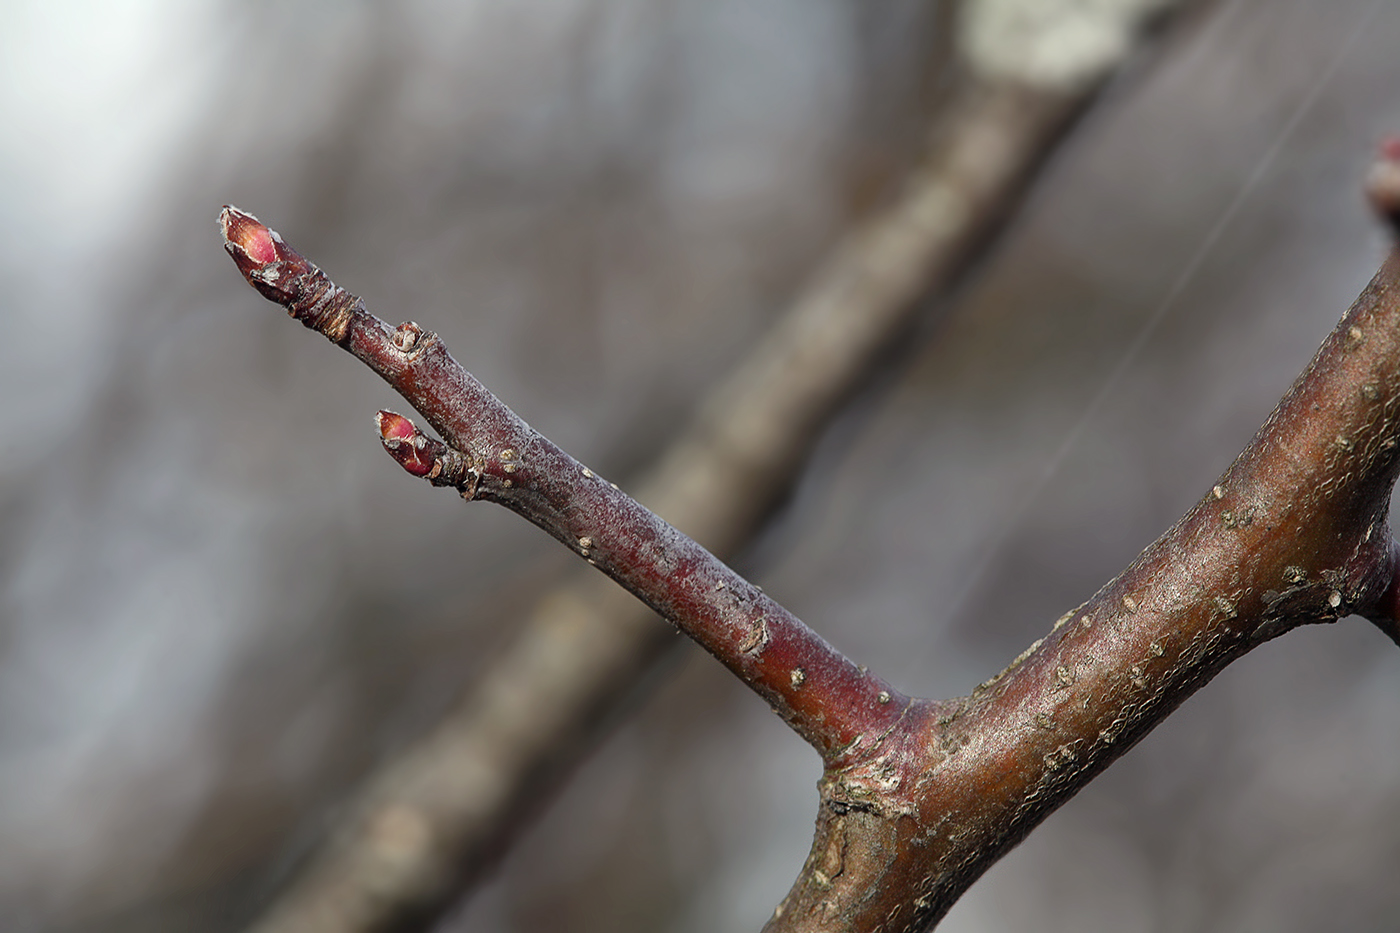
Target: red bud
{"type": "Point", "coordinates": [276, 270]}
{"type": "Point", "coordinates": [415, 451]}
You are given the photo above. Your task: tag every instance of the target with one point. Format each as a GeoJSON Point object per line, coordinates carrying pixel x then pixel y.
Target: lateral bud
{"type": "Point", "coordinates": [424, 456]}
{"type": "Point", "coordinates": [414, 450]}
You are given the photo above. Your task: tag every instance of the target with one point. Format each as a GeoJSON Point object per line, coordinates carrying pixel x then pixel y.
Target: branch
{"type": "Point", "coordinates": [584, 645]}
{"type": "Point", "coordinates": [1295, 532]}
{"type": "Point", "coordinates": [465, 785]}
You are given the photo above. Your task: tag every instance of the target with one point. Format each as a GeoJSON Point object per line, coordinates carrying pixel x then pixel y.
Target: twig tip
{"type": "Point", "coordinates": [394, 426]}
{"type": "Point", "coordinates": [276, 270]}
{"type": "Point", "coordinates": [245, 232]}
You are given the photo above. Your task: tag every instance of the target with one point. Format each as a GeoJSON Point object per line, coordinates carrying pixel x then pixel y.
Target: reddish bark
{"type": "Point", "coordinates": [498, 457]}
{"type": "Point", "coordinates": [718, 479]}
{"type": "Point", "coordinates": [919, 797]}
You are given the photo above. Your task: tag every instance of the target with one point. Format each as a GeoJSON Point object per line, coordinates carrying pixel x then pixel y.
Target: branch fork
{"type": "Point", "coordinates": [918, 796]}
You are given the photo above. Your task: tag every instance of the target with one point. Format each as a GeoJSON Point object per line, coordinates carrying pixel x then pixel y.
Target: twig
{"type": "Point", "coordinates": [492, 454]}
{"type": "Point", "coordinates": [583, 646]}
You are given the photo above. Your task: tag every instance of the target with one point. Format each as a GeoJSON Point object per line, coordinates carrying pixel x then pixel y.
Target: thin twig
{"type": "Point", "coordinates": [492, 454]}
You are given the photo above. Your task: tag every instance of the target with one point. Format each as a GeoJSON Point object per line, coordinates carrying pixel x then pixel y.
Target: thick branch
{"type": "Point", "coordinates": [1295, 532]}
{"type": "Point", "coordinates": [919, 798]}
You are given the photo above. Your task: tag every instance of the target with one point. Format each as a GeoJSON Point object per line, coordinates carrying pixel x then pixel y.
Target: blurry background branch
{"type": "Point", "coordinates": [602, 202]}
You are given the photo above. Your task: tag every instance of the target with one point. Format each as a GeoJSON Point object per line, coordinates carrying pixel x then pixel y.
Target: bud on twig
{"type": "Point", "coordinates": [422, 455]}
{"type": "Point", "coordinates": [414, 450]}
{"type": "Point", "coordinates": [268, 263]}
{"type": "Point", "coordinates": [283, 275]}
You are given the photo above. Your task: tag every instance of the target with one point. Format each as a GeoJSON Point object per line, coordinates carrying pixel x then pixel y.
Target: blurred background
{"type": "Point", "coordinates": [600, 204]}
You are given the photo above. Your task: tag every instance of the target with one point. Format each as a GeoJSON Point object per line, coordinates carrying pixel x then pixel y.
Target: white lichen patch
{"type": "Point", "coordinates": [1058, 45]}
